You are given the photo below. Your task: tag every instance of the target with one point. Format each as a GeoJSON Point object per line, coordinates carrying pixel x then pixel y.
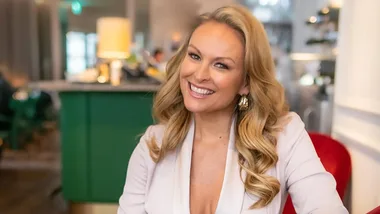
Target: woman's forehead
{"type": "Point", "coordinates": [217, 37]}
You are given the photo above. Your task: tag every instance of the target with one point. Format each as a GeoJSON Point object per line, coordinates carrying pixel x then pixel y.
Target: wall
{"type": "Point", "coordinates": [57, 46]}
{"type": "Point", "coordinates": [30, 38]}
{"type": "Point", "coordinates": [210, 5]}
{"type": "Point", "coordinates": [19, 37]}
{"type": "Point", "coordinates": [173, 16]}
{"type": "Point", "coordinates": [86, 21]}
{"type": "Point", "coordinates": [136, 10]}
{"type": "Point", "coordinates": [303, 9]}
{"type": "Point", "coordinates": [142, 18]}
{"type": "Point", "coordinates": [356, 120]}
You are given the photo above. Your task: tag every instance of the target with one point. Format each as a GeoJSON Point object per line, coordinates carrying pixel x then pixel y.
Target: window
{"type": "Point", "coordinates": [81, 51]}
{"type": "Point", "coordinates": [91, 43]}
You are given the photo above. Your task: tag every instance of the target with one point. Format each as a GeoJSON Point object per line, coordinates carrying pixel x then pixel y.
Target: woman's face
{"type": "Point", "coordinates": [211, 75]}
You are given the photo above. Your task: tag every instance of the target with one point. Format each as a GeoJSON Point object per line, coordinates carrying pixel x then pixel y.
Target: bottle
{"type": "Point", "coordinates": [115, 72]}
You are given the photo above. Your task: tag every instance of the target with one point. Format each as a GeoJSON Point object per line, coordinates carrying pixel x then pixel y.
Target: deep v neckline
{"type": "Point", "coordinates": [232, 193]}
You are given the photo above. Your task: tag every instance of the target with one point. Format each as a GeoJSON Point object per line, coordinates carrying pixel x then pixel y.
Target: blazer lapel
{"type": "Point", "coordinates": [181, 194]}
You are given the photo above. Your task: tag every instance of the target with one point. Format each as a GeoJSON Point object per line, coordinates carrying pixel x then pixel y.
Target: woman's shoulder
{"type": "Point", "coordinates": [292, 129]}
{"type": "Point", "coordinates": [152, 133]}
{"type": "Point", "coordinates": [291, 124]}
{"type": "Point", "coordinates": [156, 132]}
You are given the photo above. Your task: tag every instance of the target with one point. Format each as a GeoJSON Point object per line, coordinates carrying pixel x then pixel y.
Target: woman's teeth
{"type": "Point", "coordinates": [201, 90]}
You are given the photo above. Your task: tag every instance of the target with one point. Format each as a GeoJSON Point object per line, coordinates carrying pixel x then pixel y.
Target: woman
{"type": "Point", "coordinates": [225, 142]}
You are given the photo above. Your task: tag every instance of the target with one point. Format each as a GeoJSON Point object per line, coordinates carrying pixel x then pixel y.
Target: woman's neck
{"type": "Point", "coordinates": [211, 127]}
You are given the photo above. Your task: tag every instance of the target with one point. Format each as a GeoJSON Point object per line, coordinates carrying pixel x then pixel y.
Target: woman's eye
{"type": "Point", "coordinates": [194, 56]}
{"type": "Point", "coordinates": [221, 66]}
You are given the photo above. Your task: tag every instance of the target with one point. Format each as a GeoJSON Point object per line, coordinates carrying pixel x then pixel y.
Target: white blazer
{"type": "Point", "coordinates": [163, 188]}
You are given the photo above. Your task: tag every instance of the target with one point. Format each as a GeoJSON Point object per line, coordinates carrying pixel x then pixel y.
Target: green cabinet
{"type": "Point", "coordinates": [99, 131]}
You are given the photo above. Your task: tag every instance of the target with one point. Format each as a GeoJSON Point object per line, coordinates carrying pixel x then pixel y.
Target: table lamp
{"type": "Point", "coordinates": [114, 41]}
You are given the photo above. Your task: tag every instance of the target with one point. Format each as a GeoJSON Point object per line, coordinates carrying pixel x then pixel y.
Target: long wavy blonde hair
{"type": "Point", "coordinates": [256, 128]}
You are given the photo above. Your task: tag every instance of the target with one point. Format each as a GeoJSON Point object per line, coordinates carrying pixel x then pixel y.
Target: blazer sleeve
{"type": "Point", "coordinates": [133, 198]}
{"type": "Point", "coordinates": [312, 188]}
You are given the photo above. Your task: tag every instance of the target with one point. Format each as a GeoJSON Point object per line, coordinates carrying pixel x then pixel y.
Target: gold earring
{"type": "Point", "coordinates": [243, 103]}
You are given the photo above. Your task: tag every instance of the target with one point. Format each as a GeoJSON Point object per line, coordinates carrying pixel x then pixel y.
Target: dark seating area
{"type": "Point", "coordinates": [6, 113]}
{"type": "Point", "coordinates": [23, 112]}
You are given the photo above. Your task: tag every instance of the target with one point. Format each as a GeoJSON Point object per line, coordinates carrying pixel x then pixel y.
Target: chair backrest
{"type": "Point", "coordinates": [336, 160]}
{"type": "Point", "coordinates": [375, 211]}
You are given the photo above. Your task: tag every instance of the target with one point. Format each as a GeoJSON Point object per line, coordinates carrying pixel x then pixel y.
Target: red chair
{"type": "Point", "coordinates": [375, 211]}
{"type": "Point", "coordinates": [336, 160]}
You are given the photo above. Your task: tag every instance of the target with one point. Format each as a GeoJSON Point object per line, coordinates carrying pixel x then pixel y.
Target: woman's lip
{"type": "Point", "coordinates": [195, 94]}
{"type": "Point", "coordinates": [200, 87]}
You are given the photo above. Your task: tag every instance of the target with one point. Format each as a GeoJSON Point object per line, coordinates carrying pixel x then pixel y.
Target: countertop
{"type": "Point", "coordinates": [65, 86]}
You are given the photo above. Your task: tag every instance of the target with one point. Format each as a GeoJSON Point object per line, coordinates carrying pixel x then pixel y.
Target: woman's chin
{"type": "Point", "coordinates": [196, 108]}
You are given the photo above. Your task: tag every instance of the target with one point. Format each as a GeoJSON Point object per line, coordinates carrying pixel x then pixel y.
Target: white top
{"type": "Point", "coordinates": [163, 188]}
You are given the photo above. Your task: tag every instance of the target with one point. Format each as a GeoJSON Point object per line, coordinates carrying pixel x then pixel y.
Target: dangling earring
{"type": "Point", "coordinates": [243, 103]}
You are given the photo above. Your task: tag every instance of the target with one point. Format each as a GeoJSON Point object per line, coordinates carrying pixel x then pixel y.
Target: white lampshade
{"type": "Point", "coordinates": [114, 37]}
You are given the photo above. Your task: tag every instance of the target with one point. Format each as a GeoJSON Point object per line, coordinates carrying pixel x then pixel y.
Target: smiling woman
{"type": "Point", "coordinates": [211, 74]}
{"type": "Point", "coordinates": [225, 142]}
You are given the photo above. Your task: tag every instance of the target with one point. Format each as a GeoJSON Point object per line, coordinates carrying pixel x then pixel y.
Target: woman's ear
{"type": "Point", "coordinates": [244, 89]}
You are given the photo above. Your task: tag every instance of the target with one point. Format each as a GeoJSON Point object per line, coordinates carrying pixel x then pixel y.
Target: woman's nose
{"type": "Point", "coordinates": [202, 73]}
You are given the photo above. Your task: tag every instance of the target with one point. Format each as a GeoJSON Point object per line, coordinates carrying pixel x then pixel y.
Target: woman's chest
{"type": "Point", "coordinates": [206, 177]}
{"type": "Point", "coordinates": [168, 192]}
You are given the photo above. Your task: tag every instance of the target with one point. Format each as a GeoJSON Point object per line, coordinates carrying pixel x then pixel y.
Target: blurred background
{"type": "Point", "coordinates": [77, 79]}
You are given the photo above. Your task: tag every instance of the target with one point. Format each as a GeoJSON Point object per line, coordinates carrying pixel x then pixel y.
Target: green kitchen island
{"type": "Point", "coordinates": [100, 126]}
